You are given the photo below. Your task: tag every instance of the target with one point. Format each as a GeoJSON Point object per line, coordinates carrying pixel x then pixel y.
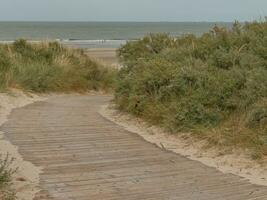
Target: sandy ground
{"type": "Point", "coordinates": [26, 179]}
{"type": "Point", "coordinates": [105, 56]}
{"type": "Point", "coordinates": [237, 163]}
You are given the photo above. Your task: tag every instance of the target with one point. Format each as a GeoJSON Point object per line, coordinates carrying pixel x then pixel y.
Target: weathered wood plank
{"type": "Point", "coordinates": [86, 157]}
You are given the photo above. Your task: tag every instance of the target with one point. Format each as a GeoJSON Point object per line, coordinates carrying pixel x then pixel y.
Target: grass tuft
{"type": "Point", "coordinates": [6, 173]}
{"type": "Point", "coordinates": [50, 67]}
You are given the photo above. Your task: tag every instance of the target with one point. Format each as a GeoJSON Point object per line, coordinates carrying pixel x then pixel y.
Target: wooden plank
{"type": "Point", "coordinates": [85, 156]}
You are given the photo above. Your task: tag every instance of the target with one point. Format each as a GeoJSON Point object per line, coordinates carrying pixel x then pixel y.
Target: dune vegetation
{"type": "Point", "coordinates": [6, 172]}
{"type": "Point", "coordinates": [213, 87]}
{"type": "Point", "coordinates": [50, 67]}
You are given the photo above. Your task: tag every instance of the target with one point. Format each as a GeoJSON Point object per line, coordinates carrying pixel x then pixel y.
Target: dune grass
{"type": "Point", "coordinates": [213, 87]}
{"type": "Point", "coordinates": [50, 67]}
{"type": "Point", "coordinates": [6, 173]}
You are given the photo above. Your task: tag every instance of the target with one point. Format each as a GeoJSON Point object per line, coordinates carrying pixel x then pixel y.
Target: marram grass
{"type": "Point", "coordinates": [50, 67]}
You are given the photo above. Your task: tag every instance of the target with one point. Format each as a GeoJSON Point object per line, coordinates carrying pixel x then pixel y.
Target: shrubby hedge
{"type": "Point", "coordinates": [214, 86]}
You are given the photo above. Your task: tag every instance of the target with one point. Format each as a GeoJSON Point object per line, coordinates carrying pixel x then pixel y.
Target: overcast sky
{"type": "Point", "coordinates": [132, 10]}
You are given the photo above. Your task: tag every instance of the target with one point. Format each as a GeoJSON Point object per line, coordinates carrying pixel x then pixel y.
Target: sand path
{"type": "Point", "coordinates": [87, 157]}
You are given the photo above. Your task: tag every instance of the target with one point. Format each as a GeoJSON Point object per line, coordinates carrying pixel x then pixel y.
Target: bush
{"type": "Point", "coordinates": [48, 66]}
{"type": "Point", "coordinates": [198, 83]}
{"type": "Point", "coordinates": [257, 115]}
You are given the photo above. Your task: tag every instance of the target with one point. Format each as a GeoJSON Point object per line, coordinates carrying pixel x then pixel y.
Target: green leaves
{"type": "Point", "coordinates": [197, 81]}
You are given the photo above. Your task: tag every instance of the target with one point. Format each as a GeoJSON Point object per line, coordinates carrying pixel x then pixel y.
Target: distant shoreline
{"type": "Point", "coordinates": [99, 34]}
{"type": "Point", "coordinates": [84, 44]}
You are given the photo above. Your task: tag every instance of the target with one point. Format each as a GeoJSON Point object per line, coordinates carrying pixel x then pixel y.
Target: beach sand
{"type": "Point", "coordinates": [106, 56]}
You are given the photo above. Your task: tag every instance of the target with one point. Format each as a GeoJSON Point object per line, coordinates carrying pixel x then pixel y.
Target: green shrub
{"type": "Point", "coordinates": [257, 115]}
{"type": "Point", "coordinates": [199, 83]}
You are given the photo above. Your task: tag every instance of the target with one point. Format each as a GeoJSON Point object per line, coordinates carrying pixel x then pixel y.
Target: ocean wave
{"type": "Point", "coordinates": [6, 41]}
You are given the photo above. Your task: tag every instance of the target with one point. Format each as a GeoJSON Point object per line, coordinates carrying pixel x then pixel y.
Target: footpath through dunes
{"type": "Point", "coordinates": [86, 157]}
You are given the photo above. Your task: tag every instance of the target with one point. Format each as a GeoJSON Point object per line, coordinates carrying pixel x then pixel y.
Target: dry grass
{"type": "Point", "coordinates": [48, 66]}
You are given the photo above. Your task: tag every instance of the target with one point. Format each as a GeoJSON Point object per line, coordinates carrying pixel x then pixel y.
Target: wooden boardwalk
{"type": "Point", "coordinates": [86, 157]}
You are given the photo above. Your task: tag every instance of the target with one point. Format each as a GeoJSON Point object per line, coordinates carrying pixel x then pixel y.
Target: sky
{"type": "Point", "coordinates": [132, 10]}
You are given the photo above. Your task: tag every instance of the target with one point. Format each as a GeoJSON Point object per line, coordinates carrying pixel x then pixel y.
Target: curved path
{"type": "Point", "coordinates": [86, 157]}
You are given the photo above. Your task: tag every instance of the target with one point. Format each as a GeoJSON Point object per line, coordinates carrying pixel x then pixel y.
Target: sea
{"type": "Point", "coordinates": [98, 34]}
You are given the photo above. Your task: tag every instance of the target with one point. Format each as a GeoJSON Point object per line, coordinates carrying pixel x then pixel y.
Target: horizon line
{"type": "Point", "coordinates": [130, 21]}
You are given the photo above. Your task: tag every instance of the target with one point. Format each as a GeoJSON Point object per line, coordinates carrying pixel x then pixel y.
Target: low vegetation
{"type": "Point", "coordinates": [213, 87]}
{"type": "Point", "coordinates": [50, 67]}
{"type": "Point", "coordinates": [6, 172]}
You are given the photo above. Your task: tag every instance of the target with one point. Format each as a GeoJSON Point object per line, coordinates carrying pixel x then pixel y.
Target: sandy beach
{"type": "Point", "coordinates": [106, 56]}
